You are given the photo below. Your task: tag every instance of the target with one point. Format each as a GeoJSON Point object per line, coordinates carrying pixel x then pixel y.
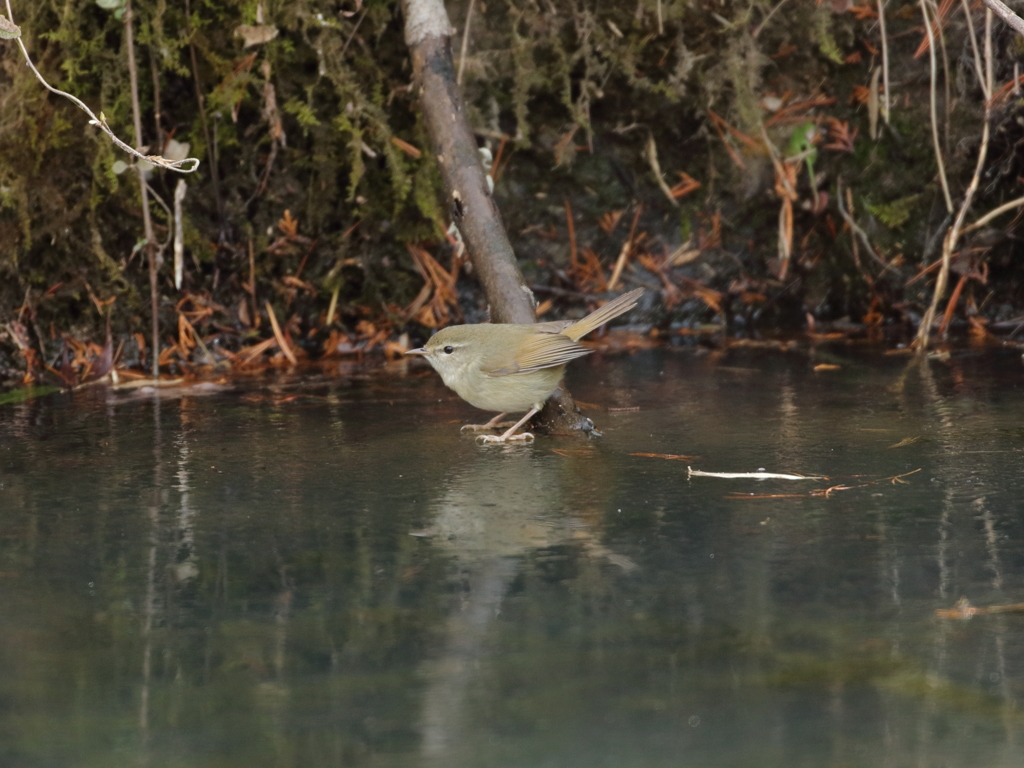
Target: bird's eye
{"type": "Point", "coordinates": [449, 349]}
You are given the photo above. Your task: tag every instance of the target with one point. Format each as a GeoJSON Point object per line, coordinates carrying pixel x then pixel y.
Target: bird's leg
{"type": "Point", "coordinates": [494, 423]}
{"type": "Point", "coordinates": [510, 436]}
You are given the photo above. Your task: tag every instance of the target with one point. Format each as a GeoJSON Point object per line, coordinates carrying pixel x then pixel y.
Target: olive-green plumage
{"type": "Point", "coordinates": [510, 368]}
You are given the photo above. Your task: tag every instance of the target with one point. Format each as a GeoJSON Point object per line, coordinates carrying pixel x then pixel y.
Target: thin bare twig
{"type": "Point", "coordinates": [279, 337]}
{"type": "Point", "coordinates": [101, 121]}
{"type": "Point", "coordinates": [764, 21]}
{"type": "Point", "coordinates": [777, 159]}
{"type": "Point", "coordinates": [785, 225]}
{"type": "Point", "coordinates": [873, 106]}
{"type": "Point", "coordinates": [947, 103]}
{"type": "Point", "coordinates": [252, 283]}
{"type": "Point", "coordinates": [856, 229]}
{"type": "Point", "coordinates": [953, 235]}
{"type": "Point", "coordinates": [570, 225]}
{"type": "Point", "coordinates": [652, 160]}
{"type": "Point", "coordinates": [885, 60]}
{"type": "Point", "coordinates": [853, 240]}
{"type": "Point", "coordinates": [1017, 203]}
{"type": "Point", "coordinates": [627, 248]}
{"type": "Point", "coordinates": [155, 72]}
{"type": "Point", "coordinates": [167, 212]}
{"type": "Point", "coordinates": [465, 42]}
{"type": "Point", "coordinates": [934, 115]}
{"type": "Point", "coordinates": [355, 29]}
{"type": "Point", "coordinates": [974, 47]}
{"type": "Point", "coordinates": [147, 219]}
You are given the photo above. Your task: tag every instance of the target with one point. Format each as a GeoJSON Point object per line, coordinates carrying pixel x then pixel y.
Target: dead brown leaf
{"type": "Point", "coordinates": [289, 227]}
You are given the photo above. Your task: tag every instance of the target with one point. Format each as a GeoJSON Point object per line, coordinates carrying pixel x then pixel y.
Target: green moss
{"type": "Point", "coordinates": [427, 188]}
{"type": "Point", "coordinates": [895, 214]}
{"type": "Point", "coordinates": [105, 181]}
{"type": "Point", "coordinates": [302, 112]}
{"type": "Point", "coordinates": [524, 76]}
{"type": "Point", "coordinates": [355, 147]}
{"type": "Point", "coordinates": [823, 33]}
{"type": "Point", "coordinates": [743, 62]}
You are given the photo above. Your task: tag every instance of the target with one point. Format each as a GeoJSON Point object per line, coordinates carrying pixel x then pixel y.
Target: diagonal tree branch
{"type": "Point", "coordinates": [1001, 10]}
{"type": "Point", "coordinates": [467, 195]}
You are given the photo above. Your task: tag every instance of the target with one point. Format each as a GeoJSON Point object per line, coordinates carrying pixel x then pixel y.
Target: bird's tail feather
{"type": "Point", "coordinates": [599, 317]}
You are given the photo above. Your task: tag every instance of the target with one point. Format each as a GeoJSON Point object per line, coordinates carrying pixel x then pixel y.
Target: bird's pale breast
{"type": "Point", "coordinates": [511, 394]}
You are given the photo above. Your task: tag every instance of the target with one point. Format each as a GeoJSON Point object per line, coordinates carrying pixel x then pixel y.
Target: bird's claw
{"type": "Point", "coordinates": [485, 427]}
{"type": "Point", "coordinates": [522, 437]}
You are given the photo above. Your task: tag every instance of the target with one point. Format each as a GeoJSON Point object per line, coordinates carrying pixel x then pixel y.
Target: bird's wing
{"type": "Point", "coordinates": [552, 326]}
{"type": "Point", "coordinates": [542, 350]}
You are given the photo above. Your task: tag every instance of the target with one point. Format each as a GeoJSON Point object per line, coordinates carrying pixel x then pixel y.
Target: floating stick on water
{"type": "Point", "coordinates": [691, 472]}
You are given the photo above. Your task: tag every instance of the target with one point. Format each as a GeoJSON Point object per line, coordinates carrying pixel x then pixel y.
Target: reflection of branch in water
{"type": "Point", "coordinates": [496, 510]}
{"type": "Point", "coordinates": [273, 695]}
{"type": "Point", "coordinates": [185, 569]}
{"type": "Point", "coordinates": [1001, 630]}
{"type": "Point", "coordinates": [149, 609]}
{"type": "Point", "coordinates": [491, 514]}
{"type": "Point", "coordinates": [147, 625]}
{"type": "Point", "coordinates": [951, 469]}
{"type": "Point", "coordinates": [444, 705]}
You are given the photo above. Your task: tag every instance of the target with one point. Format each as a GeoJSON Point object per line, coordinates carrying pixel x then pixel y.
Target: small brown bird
{"type": "Point", "coordinates": [510, 368]}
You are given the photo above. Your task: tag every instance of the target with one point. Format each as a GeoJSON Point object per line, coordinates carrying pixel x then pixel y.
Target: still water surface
{"type": "Point", "coordinates": [320, 571]}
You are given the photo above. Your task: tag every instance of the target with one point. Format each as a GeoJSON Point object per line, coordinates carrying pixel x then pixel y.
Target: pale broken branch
{"type": "Point", "coordinates": [691, 472]}
{"type": "Point", "coordinates": [652, 160]}
{"type": "Point", "coordinates": [1003, 12]}
{"type": "Point", "coordinates": [279, 337]}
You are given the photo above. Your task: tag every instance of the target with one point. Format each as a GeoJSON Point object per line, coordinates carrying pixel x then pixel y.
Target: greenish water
{"type": "Point", "coordinates": [321, 571]}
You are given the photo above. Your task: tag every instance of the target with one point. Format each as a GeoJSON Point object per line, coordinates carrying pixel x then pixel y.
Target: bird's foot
{"type": "Point", "coordinates": [486, 427]}
{"type": "Point", "coordinates": [509, 435]}
{"type": "Point", "coordinates": [492, 424]}
{"type": "Point", "coordinates": [522, 437]}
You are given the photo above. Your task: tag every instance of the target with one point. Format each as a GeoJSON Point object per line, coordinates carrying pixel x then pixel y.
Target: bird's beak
{"type": "Point", "coordinates": [421, 351]}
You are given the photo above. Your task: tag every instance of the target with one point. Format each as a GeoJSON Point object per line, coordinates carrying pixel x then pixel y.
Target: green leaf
{"type": "Point", "coordinates": [110, 5]}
